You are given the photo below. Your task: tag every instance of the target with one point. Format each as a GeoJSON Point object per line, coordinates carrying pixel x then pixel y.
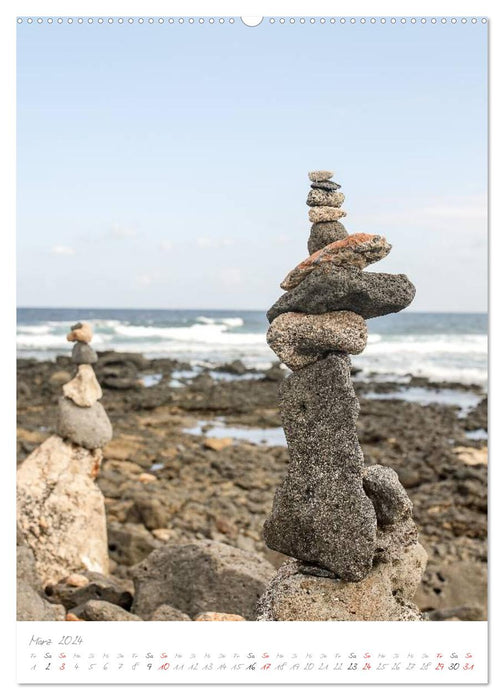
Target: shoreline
{"type": "Point", "coordinates": [219, 485]}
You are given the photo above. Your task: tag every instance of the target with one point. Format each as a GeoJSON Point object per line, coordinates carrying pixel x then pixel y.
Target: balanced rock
{"type": "Point", "coordinates": [325, 198]}
{"type": "Point", "coordinates": [201, 576]}
{"type": "Point", "coordinates": [355, 251]}
{"type": "Point", "coordinates": [330, 288]}
{"type": "Point", "coordinates": [324, 233]}
{"type": "Point", "coordinates": [80, 332]}
{"type": "Point", "coordinates": [321, 513]}
{"type": "Point", "coordinates": [318, 214]}
{"type": "Point", "coordinates": [61, 511]}
{"type": "Point", "coordinates": [83, 354]}
{"type": "Point", "coordinates": [89, 427]}
{"type": "Point", "coordinates": [320, 175]}
{"type": "Point", "coordinates": [389, 497]}
{"type": "Point", "coordinates": [301, 339]}
{"type": "Point", "coordinates": [325, 185]}
{"type": "Point", "coordinates": [384, 595]}
{"type": "Point", "coordinates": [83, 389]}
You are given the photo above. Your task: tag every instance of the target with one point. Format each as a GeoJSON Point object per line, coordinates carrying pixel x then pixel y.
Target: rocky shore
{"type": "Point", "coordinates": [184, 464]}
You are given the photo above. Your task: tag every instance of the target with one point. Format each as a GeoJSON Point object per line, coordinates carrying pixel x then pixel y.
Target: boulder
{"type": "Point", "coordinates": [384, 595]}
{"type": "Point", "coordinates": [201, 576]}
{"type": "Point", "coordinates": [61, 511]}
{"type": "Point", "coordinates": [321, 514]}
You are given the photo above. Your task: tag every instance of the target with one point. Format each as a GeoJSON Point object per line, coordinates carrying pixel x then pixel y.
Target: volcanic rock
{"type": "Point", "coordinates": [324, 233]}
{"type": "Point", "coordinates": [325, 198]}
{"type": "Point", "coordinates": [389, 497]}
{"type": "Point", "coordinates": [318, 175]}
{"type": "Point", "coordinates": [355, 251]}
{"type": "Point", "coordinates": [321, 513]}
{"type": "Point", "coordinates": [319, 214]}
{"type": "Point", "coordinates": [201, 576]}
{"type": "Point", "coordinates": [330, 288]}
{"type": "Point", "coordinates": [301, 339]}
{"type": "Point", "coordinates": [325, 185]}
{"type": "Point", "coordinates": [384, 595]}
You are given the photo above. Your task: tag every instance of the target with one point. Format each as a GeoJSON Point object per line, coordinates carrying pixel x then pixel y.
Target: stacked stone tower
{"type": "Point", "coordinates": [348, 527]}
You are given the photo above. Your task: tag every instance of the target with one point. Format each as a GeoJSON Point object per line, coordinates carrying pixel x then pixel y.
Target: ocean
{"type": "Point", "coordinates": [438, 346]}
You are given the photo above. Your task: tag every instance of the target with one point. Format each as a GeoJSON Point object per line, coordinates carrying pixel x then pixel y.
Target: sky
{"type": "Point", "coordinates": [165, 166]}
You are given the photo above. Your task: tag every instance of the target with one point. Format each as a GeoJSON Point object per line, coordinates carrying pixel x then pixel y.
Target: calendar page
{"type": "Point", "coordinates": [251, 348]}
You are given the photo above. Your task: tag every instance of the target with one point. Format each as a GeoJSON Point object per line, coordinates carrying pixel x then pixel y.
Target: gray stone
{"type": "Point", "coordinates": [325, 185]}
{"type": "Point", "coordinates": [98, 587]}
{"type": "Point", "coordinates": [324, 198]}
{"type": "Point", "coordinates": [30, 606]}
{"type": "Point", "coordinates": [384, 595]}
{"type": "Point", "coordinates": [201, 576]}
{"type": "Point", "coordinates": [83, 354]}
{"type": "Point", "coordinates": [320, 214]}
{"type": "Point", "coordinates": [321, 513]}
{"type": "Point", "coordinates": [302, 339]}
{"type": "Point", "coordinates": [103, 611]}
{"type": "Point", "coordinates": [89, 427]}
{"type": "Point", "coordinates": [26, 569]}
{"type": "Point", "coordinates": [330, 288]}
{"type": "Point", "coordinates": [167, 613]}
{"type": "Point", "coordinates": [389, 497]}
{"type": "Point", "coordinates": [318, 175]}
{"type": "Point", "coordinates": [392, 540]}
{"type": "Point", "coordinates": [324, 233]}
{"type": "Point", "coordinates": [129, 543]}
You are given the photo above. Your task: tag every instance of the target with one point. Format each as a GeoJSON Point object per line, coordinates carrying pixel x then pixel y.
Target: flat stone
{"type": "Point", "coordinates": [318, 214]}
{"type": "Point", "coordinates": [389, 497]}
{"type": "Point", "coordinates": [324, 198]}
{"type": "Point", "coordinates": [198, 577]}
{"type": "Point", "coordinates": [321, 514]}
{"type": "Point", "coordinates": [386, 594]}
{"type": "Point", "coordinates": [83, 354]}
{"type": "Point", "coordinates": [167, 613]}
{"type": "Point", "coordinates": [83, 389]}
{"type": "Point", "coordinates": [103, 611]}
{"type": "Point", "coordinates": [80, 332]}
{"type": "Point", "coordinates": [89, 427]}
{"type": "Point", "coordinates": [355, 251]}
{"type": "Point", "coordinates": [317, 175]}
{"type": "Point", "coordinates": [325, 185]}
{"type": "Point", "coordinates": [61, 511]}
{"type": "Point", "coordinates": [324, 233]}
{"type": "Point", "coordinates": [331, 288]}
{"type": "Point", "coordinates": [302, 339]}
{"type": "Point", "coordinates": [218, 617]}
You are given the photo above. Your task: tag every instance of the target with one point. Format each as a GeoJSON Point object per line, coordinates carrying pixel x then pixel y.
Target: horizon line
{"type": "Point", "coordinates": [201, 308]}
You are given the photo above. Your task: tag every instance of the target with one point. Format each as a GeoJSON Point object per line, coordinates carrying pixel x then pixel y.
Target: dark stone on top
{"type": "Point", "coordinates": [321, 514]}
{"type": "Point", "coordinates": [83, 354]}
{"type": "Point", "coordinates": [76, 326]}
{"type": "Point", "coordinates": [331, 288]}
{"type": "Point", "coordinates": [325, 185]}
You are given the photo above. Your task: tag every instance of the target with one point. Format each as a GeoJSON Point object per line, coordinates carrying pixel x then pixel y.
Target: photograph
{"type": "Point", "coordinates": [251, 320]}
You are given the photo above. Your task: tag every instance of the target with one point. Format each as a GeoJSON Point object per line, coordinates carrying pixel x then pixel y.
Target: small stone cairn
{"type": "Point", "coordinates": [81, 417]}
{"type": "Point", "coordinates": [60, 509]}
{"type": "Point", "coordinates": [348, 528]}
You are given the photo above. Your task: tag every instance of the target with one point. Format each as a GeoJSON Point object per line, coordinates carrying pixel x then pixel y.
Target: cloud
{"type": "Point", "coordinates": [62, 250]}
{"type": "Point", "coordinates": [206, 242]}
{"type": "Point", "coordinates": [121, 232]}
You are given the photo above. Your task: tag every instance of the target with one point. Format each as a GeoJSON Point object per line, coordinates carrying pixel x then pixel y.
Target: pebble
{"type": "Point", "coordinates": [325, 185]}
{"type": "Point", "coordinates": [318, 175]}
{"type": "Point", "coordinates": [80, 332]}
{"type": "Point", "coordinates": [83, 354]}
{"type": "Point", "coordinates": [319, 214]}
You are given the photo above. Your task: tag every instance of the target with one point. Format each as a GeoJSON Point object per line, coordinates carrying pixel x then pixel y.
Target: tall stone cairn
{"type": "Point", "coordinates": [60, 509]}
{"type": "Point", "coordinates": [348, 527]}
